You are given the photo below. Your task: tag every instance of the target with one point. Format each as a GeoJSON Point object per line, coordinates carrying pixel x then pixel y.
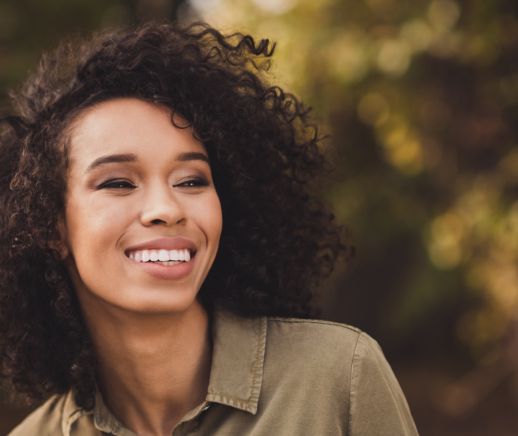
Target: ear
{"type": "Point", "coordinates": [61, 245]}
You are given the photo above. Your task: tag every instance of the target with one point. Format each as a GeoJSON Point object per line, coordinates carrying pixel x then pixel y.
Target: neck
{"type": "Point", "coordinates": [152, 369]}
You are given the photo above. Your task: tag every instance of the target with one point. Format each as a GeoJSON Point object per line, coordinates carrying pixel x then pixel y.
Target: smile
{"type": "Point", "coordinates": [164, 264]}
{"type": "Point", "coordinates": [167, 257]}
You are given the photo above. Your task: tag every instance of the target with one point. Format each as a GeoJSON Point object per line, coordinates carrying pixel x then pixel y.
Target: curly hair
{"type": "Point", "coordinates": [278, 239]}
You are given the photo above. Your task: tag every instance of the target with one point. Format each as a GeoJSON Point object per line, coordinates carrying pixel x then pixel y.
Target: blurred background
{"type": "Point", "coordinates": [420, 101]}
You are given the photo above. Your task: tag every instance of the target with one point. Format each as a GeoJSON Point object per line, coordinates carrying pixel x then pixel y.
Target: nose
{"type": "Point", "coordinates": [160, 206]}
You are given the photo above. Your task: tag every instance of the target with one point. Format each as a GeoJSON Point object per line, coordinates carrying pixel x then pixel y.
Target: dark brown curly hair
{"type": "Point", "coordinates": [278, 238]}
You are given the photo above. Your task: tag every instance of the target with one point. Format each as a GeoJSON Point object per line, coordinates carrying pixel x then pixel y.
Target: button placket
{"type": "Point", "coordinates": [192, 424]}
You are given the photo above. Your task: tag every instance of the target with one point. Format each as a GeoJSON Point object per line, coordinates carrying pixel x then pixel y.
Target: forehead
{"type": "Point", "coordinates": [128, 125]}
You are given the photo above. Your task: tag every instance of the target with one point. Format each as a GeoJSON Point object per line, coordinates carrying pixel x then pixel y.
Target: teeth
{"type": "Point", "coordinates": [160, 255]}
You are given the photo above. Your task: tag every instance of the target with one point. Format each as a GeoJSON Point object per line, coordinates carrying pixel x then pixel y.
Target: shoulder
{"type": "Point", "coordinates": [313, 328]}
{"type": "Point", "coordinates": [319, 352]}
{"type": "Point", "coordinates": [324, 345]}
{"type": "Point", "coordinates": [44, 421]}
{"type": "Point", "coordinates": [322, 338]}
{"type": "Point", "coordinates": [341, 365]}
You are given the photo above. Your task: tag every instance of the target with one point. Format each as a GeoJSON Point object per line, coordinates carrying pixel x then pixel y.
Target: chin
{"type": "Point", "coordinates": [160, 308]}
{"type": "Point", "coordinates": [138, 301]}
{"type": "Point", "coordinates": [159, 304]}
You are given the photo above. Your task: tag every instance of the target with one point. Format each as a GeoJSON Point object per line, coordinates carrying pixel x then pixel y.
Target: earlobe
{"type": "Point", "coordinates": [61, 246]}
{"type": "Point", "coordinates": [62, 250]}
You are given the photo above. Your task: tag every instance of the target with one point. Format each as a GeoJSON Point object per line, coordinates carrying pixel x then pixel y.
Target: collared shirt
{"type": "Point", "coordinates": [269, 376]}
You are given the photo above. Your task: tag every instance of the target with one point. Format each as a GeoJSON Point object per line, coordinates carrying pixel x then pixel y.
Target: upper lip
{"type": "Point", "coordinates": [165, 243]}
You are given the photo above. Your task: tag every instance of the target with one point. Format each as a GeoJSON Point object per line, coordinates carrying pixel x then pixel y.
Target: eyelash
{"type": "Point", "coordinates": [196, 182]}
{"type": "Point", "coordinates": [116, 184]}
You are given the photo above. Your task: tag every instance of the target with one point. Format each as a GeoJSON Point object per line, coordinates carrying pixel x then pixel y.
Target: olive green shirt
{"type": "Point", "coordinates": [269, 376]}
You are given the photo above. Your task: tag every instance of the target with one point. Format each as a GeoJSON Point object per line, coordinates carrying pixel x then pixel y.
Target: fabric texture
{"type": "Point", "coordinates": [269, 376]}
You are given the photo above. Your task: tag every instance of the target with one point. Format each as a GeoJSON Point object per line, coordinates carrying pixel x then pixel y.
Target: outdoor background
{"type": "Point", "coordinates": [420, 101]}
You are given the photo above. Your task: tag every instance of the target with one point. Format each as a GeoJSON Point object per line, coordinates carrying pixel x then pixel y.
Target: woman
{"type": "Point", "coordinates": [160, 245]}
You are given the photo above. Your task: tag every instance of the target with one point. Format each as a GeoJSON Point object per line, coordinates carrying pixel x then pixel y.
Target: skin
{"type": "Point", "coordinates": [150, 333]}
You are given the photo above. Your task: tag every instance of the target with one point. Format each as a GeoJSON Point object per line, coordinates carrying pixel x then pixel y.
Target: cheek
{"type": "Point", "coordinates": [214, 219]}
{"type": "Point", "coordinates": [92, 228]}
{"type": "Point", "coordinates": [207, 217]}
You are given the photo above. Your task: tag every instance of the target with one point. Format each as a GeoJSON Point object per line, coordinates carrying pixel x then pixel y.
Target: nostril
{"type": "Point", "coordinates": [158, 221]}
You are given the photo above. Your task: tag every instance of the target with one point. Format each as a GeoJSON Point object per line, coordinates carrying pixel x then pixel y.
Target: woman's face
{"type": "Point", "coordinates": [143, 219]}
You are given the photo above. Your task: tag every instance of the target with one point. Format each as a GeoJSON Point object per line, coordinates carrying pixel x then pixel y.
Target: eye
{"type": "Point", "coordinates": [196, 182]}
{"type": "Point", "coordinates": [116, 184]}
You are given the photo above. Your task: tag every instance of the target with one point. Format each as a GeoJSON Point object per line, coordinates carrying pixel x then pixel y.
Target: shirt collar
{"type": "Point", "coordinates": [237, 361]}
{"type": "Point", "coordinates": [236, 375]}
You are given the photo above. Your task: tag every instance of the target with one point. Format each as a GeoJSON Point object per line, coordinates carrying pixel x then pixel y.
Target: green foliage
{"type": "Point", "coordinates": [420, 99]}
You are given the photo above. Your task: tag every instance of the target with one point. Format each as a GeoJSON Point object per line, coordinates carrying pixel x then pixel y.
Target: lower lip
{"type": "Point", "coordinates": [166, 272]}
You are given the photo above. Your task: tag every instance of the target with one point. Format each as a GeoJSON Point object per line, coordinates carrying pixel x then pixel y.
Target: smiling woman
{"type": "Point", "coordinates": [161, 244]}
{"type": "Point", "coordinates": [121, 200]}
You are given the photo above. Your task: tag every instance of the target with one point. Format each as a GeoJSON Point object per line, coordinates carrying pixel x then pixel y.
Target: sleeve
{"type": "Point", "coordinates": [377, 405]}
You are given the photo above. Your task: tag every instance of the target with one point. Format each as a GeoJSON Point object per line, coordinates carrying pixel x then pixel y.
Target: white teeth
{"type": "Point", "coordinates": [160, 255]}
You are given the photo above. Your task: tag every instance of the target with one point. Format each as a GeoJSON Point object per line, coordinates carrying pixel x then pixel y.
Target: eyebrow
{"type": "Point", "coordinates": [192, 155]}
{"type": "Point", "coordinates": [130, 157]}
